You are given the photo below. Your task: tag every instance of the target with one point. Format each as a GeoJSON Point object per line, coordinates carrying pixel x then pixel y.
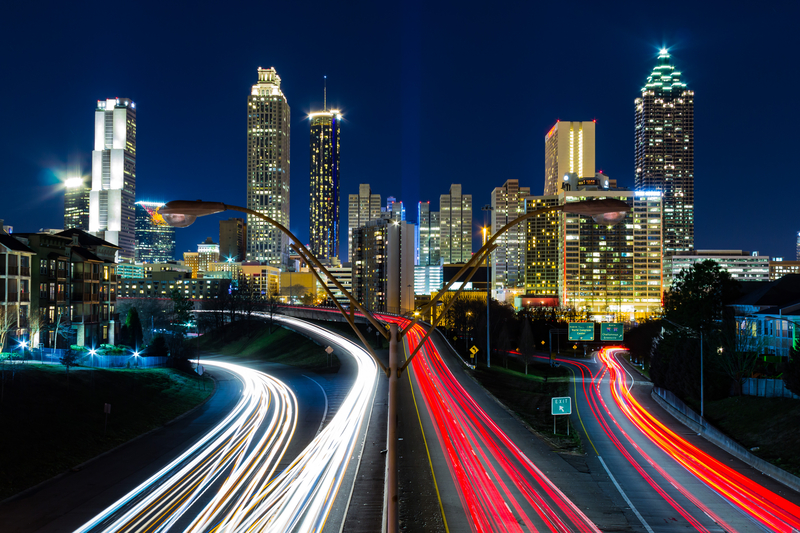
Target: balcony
{"type": "Point", "coordinates": [25, 271]}
{"type": "Point", "coordinates": [13, 270]}
{"type": "Point", "coordinates": [24, 297]}
{"type": "Point", "coordinates": [12, 297]}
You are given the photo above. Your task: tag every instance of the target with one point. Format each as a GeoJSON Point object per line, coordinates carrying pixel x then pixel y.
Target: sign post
{"type": "Point", "coordinates": [329, 351]}
{"type": "Point", "coordinates": [472, 352]}
{"type": "Point", "coordinates": [560, 405]}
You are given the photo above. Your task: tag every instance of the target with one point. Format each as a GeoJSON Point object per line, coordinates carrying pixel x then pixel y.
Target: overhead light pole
{"type": "Point", "coordinates": [183, 213]}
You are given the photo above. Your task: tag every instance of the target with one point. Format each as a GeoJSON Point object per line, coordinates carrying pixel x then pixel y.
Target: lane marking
{"type": "Point", "coordinates": [325, 412]}
{"type": "Point", "coordinates": [578, 409]}
{"type": "Point", "coordinates": [425, 440]}
{"type": "Point", "coordinates": [625, 496]}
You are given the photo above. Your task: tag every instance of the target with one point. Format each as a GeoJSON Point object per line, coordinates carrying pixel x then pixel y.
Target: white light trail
{"type": "Point", "coordinates": [233, 467]}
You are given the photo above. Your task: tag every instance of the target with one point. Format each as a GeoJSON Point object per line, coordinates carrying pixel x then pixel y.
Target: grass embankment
{"type": "Point", "coordinates": [771, 425]}
{"type": "Point", "coordinates": [49, 424]}
{"type": "Point", "coordinates": [529, 397]}
{"type": "Point", "coordinates": [252, 339]}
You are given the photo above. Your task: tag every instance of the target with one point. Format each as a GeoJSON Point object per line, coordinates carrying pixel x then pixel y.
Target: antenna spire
{"type": "Point", "coordinates": [325, 93]}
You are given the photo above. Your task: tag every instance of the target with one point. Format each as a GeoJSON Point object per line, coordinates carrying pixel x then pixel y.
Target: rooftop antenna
{"type": "Point", "coordinates": [325, 93]}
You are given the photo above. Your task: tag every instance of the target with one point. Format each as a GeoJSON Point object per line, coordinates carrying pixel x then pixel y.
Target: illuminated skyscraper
{"type": "Point", "coordinates": [568, 149]}
{"type": "Point", "coordinates": [361, 208]}
{"type": "Point", "coordinates": [455, 223]}
{"type": "Point", "coordinates": [76, 203]}
{"type": "Point", "coordinates": [111, 212]}
{"type": "Point", "coordinates": [665, 151]}
{"type": "Point", "coordinates": [428, 235]}
{"type": "Point", "coordinates": [155, 239]}
{"type": "Point", "coordinates": [508, 265]}
{"type": "Point", "coordinates": [268, 169]}
{"type": "Point", "coordinates": [324, 208]}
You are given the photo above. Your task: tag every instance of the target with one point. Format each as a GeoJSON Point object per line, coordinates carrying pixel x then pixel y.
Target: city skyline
{"type": "Point", "coordinates": [420, 154]}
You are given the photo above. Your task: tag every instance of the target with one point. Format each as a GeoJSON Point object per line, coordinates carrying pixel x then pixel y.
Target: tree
{"type": "Point", "coordinates": [272, 307]}
{"type": "Point", "coordinates": [527, 344]}
{"type": "Point", "coordinates": [699, 296]}
{"type": "Point", "coordinates": [642, 339]}
{"type": "Point", "coordinates": [158, 348]}
{"type": "Point", "coordinates": [134, 326]}
{"type": "Point", "coordinates": [181, 314]}
{"type": "Point", "coordinates": [738, 353]}
{"type": "Point", "coordinates": [8, 322]}
{"type": "Point", "coordinates": [791, 371]}
{"type": "Point", "coordinates": [68, 359]}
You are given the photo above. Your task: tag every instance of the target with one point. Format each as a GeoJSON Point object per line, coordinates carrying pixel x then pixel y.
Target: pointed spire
{"type": "Point", "coordinates": [664, 76]}
{"type": "Point", "coordinates": [324, 93]}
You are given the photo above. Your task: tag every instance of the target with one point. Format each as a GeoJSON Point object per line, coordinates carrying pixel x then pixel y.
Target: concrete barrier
{"type": "Point", "coordinates": [684, 414]}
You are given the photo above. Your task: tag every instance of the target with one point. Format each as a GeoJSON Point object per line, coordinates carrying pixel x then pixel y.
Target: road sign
{"type": "Point", "coordinates": [611, 331]}
{"type": "Point", "coordinates": [329, 350]}
{"type": "Point", "coordinates": [561, 405]}
{"type": "Point", "coordinates": [581, 331]}
{"type": "Point", "coordinates": [472, 352]}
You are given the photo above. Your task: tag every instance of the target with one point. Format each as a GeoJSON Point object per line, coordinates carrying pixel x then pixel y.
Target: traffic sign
{"type": "Point", "coordinates": [329, 350]}
{"type": "Point", "coordinates": [561, 405]}
{"type": "Point", "coordinates": [611, 331]}
{"type": "Point", "coordinates": [474, 350]}
{"type": "Point", "coordinates": [580, 331]}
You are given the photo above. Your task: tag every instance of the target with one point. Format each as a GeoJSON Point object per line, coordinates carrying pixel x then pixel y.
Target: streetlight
{"type": "Point", "coordinates": [182, 213]}
{"type": "Point", "coordinates": [700, 330]}
{"type": "Point", "coordinates": [487, 209]}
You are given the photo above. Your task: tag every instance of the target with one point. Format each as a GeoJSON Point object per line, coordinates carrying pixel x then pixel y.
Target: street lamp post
{"type": "Point", "coordinates": [183, 213]}
{"type": "Point", "coordinates": [488, 209]}
{"type": "Point", "coordinates": [700, 331]}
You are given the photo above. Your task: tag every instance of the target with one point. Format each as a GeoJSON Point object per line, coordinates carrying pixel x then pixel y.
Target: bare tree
{"type": "Point", "coordinates": [272, 304]}
{"type": "Point", "coordinates": [8, 323]}
{"type": "Point", "coordinates": [527, 344]}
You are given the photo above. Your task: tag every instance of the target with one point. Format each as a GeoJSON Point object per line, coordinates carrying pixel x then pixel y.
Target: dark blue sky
{"type": "Point", "coordinates": [433, 94]}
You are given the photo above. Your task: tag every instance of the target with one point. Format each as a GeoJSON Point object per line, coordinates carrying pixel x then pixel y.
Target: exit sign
{"type": "Point", "coordinates": [561, 405]}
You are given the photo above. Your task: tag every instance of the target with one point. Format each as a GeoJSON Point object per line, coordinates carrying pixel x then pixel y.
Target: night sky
{"type": "Point", "coordinates": [432, 94]}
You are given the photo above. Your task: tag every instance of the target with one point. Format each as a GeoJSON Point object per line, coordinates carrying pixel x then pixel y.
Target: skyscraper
{"type": "Point", "coordinates": [232, 239]}
{"type": "Point", "coordinates": [664, 143]}
{"type": "Point", "coordinates": [361, 208]}
{"type": "Point", "coordinates": [428, 235]}
{"type": "Point", "coordinates": [155, 239]}
{"type": "Point", "coordinates": [508, 267]}
{"type": "Point", "coordinates": [568, 149]}
{"type": "Point", "coordinates": [324, 208]}
{"type": "Point", "coordinates": [268, 169]}
{"type": "Point", "coordinates": [455, 223]}
{"type": "Point", "coordinates": [76, 203]}
{"type": "Point", "coordinates": [111, 211]}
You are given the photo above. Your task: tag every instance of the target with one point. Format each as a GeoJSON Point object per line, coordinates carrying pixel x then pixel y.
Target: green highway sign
{"type": "Point", "coordinates": [561, 405]}
{"type": "Point", "coordinates": [581, 331]}
{"type": "Point", "coordinates": [611, 331]}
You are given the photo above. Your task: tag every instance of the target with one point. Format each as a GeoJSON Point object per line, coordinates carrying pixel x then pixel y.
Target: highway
{"type": "Point", "coordinates": [496, 483]}
{"type": "Point", "coordinates": [236, 475]}
{"type": "Point", "coordinates": [228, 481]}
{"type": "Point", "coordinates": [676, 473]}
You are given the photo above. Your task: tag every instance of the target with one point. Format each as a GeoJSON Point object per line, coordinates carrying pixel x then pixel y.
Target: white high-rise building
{"type": "Point", "coordinates": [268, 170]}
{"type": "Point", "coordinates": [428, 235]}
{"type": "Point", "coordinates": [508, 265]}
{"type": "Point", "coordinates": [112, 215]}
{"type": "Point", "coordinates": [568, 149]}
{"type": "Point", "coordinates": [455, 221]}
{"type": "Point", "coordinates": [361, 208]}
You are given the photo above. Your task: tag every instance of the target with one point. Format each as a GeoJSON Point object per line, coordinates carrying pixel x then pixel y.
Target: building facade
{"type": "Point", "coordinates": [383, 266]}
{"type": "Point", "coordinates": [508, 259]}
{"type": "Point", "coordinates": [155, 239]}
{"type": "Point", "coordinates": [192, 289]}
{"type": "Point", "coordinates": [15, 291]}
{"type": "Point", "coordinates": [112, 216]}
{"type": "Point", "coordinates": [543, 248]}
{"type": "Point", "coordinates": [664, 151]}
{"type": "Point", "coordinates": [428, 235]}
{"type": "Point", "coordinates": [455, 226]}
{"type": "Point", "coordinates": [568, 149]}
{"type": "Point", "coordinates": [268, 183]}
{"type": "Point", "coordinates": [324, 206]}
{"type": "Point", "coordinates": [233, 239]}
{"type": "Point", "coordinates": [76, 202]}
{"type": "Point", "coordinates": [361, 208]}
{"type": "Point", "coordinates": [741, 265]}
{"type": "Point", "coordinates": [779, 268]}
